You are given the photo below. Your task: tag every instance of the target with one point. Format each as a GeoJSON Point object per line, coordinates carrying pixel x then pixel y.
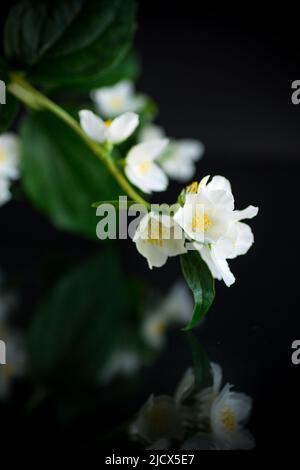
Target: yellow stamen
{"type": "Point", "coordinates": [108, 123]}
{"type": "Point", "coordinates": [228, 419]}
{"type": "Point", "coordinates": [201, 222]}
{"type": "Point", "coordinates": [144, 167]}
{"type": "Point", "coordinates": [192, 188]}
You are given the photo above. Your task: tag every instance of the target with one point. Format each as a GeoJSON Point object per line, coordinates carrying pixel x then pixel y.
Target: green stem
{"type": "Point", "coordinates": [33, 98]}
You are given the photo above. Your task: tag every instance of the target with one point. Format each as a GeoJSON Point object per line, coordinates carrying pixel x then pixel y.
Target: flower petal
{"type": "Point", "coordinates": [146, 151]}
{"type": "Point", "coordinates": [122, 127]}
{"type": "Point", "coordinates": [92, 125]}
{"type": "Point", "coordinates": [219, 182]}
{"type": "Point", "coordinates": [248, 213]}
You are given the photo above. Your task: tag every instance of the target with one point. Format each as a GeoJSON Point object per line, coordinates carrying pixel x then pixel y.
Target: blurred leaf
{"type": "Point", "coordinates": [8, 112]}
{"type": "Point", "coordinates": [201, 283]}
{"type": "Point", "coordinates": [76, 329]}
{"type": "Point", "coordinates": [61, 175]}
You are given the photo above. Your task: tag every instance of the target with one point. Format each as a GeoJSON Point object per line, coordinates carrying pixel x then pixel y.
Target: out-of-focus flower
{"type": "Point", "coordinates": [175, 308]}
{"type": "Point", "coordinates": [208, 217]}
{"type": "Point", "coordinates": [9, 156]}
{"type": "Point", "coordinates": [196, 419]}
{"type": "Point", "coordinates": [160, 418]}
{"type": "Point", "coordinates": [113, 131]}
{"type": "Point", "coordinates": [179, 158]}
{"type": "Point", "coordinates": [117, 99]}
{"type": "Point", "coordinates": [122, 362]}
{"type": "Point", "coordinates": [141, 169]}
{"type": "Point", "coordinates": [9, 164]}
{"type": "Point", "coordinates": [156, 239]}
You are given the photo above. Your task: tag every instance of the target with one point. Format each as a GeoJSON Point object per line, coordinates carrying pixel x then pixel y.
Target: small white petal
{"type": "Point", "coordinates": [247, 213]}
{"type": "Point", "coordinates": [115, 100]}
{"type": "Point", "coordinates": [219, 183]}
{"type": "Point", "coordinates": [146, 151]}
{"type": "Point", "coordinates": [151, 132]}
{"type": "Point", "coordinates": [92, 125]}
{"type": "Point", "coordinates": [122, 127]}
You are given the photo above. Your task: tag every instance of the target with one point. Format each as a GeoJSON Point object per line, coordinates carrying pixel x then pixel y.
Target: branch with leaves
{"type": "Point", "coordinates": [72, 154]}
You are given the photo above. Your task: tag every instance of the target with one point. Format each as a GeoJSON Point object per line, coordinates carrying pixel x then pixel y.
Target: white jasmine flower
{"type": "Point", "coordinates": [113, 131]}
{"type": "Point", "coordinates": [159, 419]}
{"type": "Point", "coordinates": [158, 237]}
{"type": "Point", "coordinates": [208, 217]}
{"type": "Point", "coordinates": [9, 156]}
{"type": "Point", "coordinates": [178, 159]}
{"type": "Point", "coordinates": [118, 99]}
{"type": "Point", "coordinates": [229, 413]}
{"type": "Point", "coordinates": [141, 168]}
{"type": "Point", "coordinates": [237, 241]}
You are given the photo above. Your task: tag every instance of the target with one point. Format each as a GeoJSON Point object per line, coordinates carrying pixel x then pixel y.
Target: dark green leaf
{"type": "Point", "coordinates": [78, 326]}
{"type": "Point", "coordinates": [33, 27]}
{"type": "Point", "coordinates": [8, 112]}
{"type": "Point", "coordinates": [127, 69]}
{"type": "Point", "coordinates": [61, 175]}
{"type": "Point", "coordinates": [201, 283]}
{"type": "Point", "coordinates": [98, 38]}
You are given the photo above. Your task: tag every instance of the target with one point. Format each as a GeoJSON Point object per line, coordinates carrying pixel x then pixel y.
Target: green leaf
{"type": "Point", "coordinates": [126, 69]}
{"type": "Point", "coordinates": [61, 175]}
{"type": "Point", "coordinates": [201, 283]}
{"type": "Point", "coordinates": [98, 38]}
{"type": "Point", "coordinates": [8, 112]}
{"type": "Point", "coordinates": [79, 324]}
{"type": "Point", "coordinates": [32, 28]}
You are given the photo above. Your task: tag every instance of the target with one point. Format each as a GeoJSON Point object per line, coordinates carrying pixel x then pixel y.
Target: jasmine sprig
{"type": "Point", "coordinates": [34, 99]}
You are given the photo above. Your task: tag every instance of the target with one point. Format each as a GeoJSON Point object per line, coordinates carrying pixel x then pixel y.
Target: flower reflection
{"type": "Point", "coordinates": [149, 336]}
{"type": "Point", "coordinates": [199, 418]}
{"type": "Point", "coordinates": [175, 308]}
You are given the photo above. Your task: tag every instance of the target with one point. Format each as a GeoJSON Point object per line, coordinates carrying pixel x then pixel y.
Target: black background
{"type": "Point", "coordinates": [225, 78]}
